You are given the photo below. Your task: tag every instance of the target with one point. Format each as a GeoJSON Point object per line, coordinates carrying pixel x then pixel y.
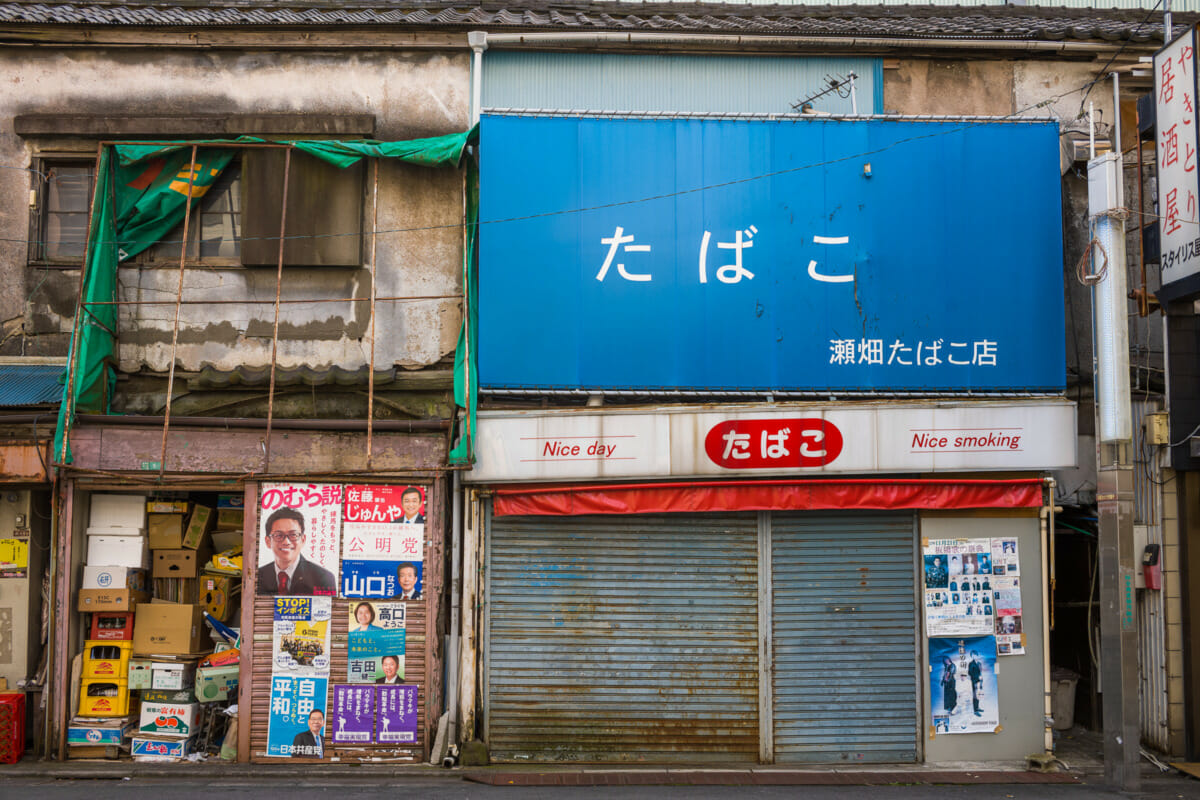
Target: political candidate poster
{"type": "Point", "coordinates": [375, 643]}
{"type": "Point", "coordinates": [300, 636]}
{"type": "Point", "coordinates": [963, 691]}
{"type": "Point", "coordinates": [958, 588]}
{"type": "Point", "coordinates": [301, 530]}
{"type": "Point", "coordinates": [383, 542]}
{"type": "Point", "coordinates": [353, 714]}
{"type": "Point", "coordinates": [296, 727]}
{"type": "Point", "coordinates": [397, 721]}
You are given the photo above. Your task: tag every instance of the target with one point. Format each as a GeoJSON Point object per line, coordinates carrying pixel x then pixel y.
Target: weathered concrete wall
{"type": "Point", "coordinates": [410, 95]}
{"type": "Point", "coordinates": [933, 86]}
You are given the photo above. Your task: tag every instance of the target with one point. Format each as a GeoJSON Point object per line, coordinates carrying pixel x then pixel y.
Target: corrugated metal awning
{"type": "Point", "coordinates": [30, 384]}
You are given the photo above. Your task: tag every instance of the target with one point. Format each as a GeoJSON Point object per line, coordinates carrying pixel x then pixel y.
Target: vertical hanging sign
{"type": "Point", "coordinates": [1175, 148]}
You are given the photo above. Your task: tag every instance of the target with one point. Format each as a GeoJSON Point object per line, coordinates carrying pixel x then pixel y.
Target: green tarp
{"type": "Point", "coordinates": [141, 192]}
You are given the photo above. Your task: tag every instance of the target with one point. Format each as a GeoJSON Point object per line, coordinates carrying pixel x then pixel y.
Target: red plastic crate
{"type": "Point", "coordinates": [12, 727]}
{"type": "Point", "coordinates": [112, 626]}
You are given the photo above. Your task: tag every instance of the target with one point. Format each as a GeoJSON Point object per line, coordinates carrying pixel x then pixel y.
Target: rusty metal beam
{"type": "Point", "coordinates": [265, 302]}
{"type": "Point", "coordinates": [374, 289]}
{"type": "Point", "coordinates": [187, 216]}
{"type": "Point", "coordinates": [26, 462]}
{"type": "Point", "coordinates": [249, 576]}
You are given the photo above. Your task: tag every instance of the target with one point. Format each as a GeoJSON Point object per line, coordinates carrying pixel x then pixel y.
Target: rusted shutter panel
{"type": "Point", "coordinates": [622, 638]}
{"type": "Point", "coordinates": [845, 638]}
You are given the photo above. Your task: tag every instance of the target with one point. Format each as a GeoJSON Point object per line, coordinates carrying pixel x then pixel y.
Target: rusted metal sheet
{"type": "Point", "coordinates": [239, 452]}
{"type": "Point", "coordinates": [622, 638]}
{"type": "Point", "coordinates": [845, 638]}
{"type": "Point", "coordinates": [24, 461]}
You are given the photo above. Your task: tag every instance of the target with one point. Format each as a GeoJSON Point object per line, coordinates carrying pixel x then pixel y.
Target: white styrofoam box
{"type": "Point", "coordinates": [110, 577]}
{"type": "Point", "coordinates": [118, 511]}
{"type": "Point", "coordinates": [118, 551]}
{"type": "Point", "coordinates": [115, 530]}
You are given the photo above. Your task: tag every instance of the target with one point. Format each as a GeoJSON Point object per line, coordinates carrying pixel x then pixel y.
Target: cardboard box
{"type": "Point", "coordinates": [103, 697]}
{"type": "Point", "coordinates": [176, 563]}
{"type": "Point", "coordinates": [219, 594]}
{"type": "Point", "coordinates": [115, 531]}
{"type": "Point", "coordinates": [172, 719]}
{"type": "Point", "coordinates": [93, 600]}
{"type": "Point", "coordinates": [166, 531]}
{"type": "Point", "coordinates": [226, 540]}
{"type": "Point", "coordinates": [167, 629]}
{"type": "Point", "coordinates": [100, 732]}
{"type": "Point", "coordinates": [107, 660]}
{"type": "Point", "coordinates": [230, 517]}
{"type": "Point", "coordinates": [161, 748]}
{"type": "Point", "coordinates": [231, 501]}
{"type": "Point", "coordinates": [118, 551]}
{"type": "Point", "coordinates": [118, 510]}
{"type": "Point", "coordinates": [166, 506]}
{"type": "Point", "coordinates": [111, 626]}
{"type": "Point", "coordinates": [141, 674]}
{"type": "Point", "coordinates": [174, 675]}
{"type": "Point", "coordinates": [216, 683]}
{"type": "Point", "coordinates": [108, 577]}
{"type": "Point", "coordinates": [93, 752]}
{"type": "Point", "coordinates": [198, 524]}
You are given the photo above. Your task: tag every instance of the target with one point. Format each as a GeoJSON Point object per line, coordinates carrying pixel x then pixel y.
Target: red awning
{"type": "Point", "coordinates": [776, 495]}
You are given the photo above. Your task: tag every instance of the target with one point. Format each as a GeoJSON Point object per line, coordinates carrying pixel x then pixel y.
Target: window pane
{"type": "Point", "coordinates": [64, 229]}
{"type": "Point", "coordinates": [218, 218]}
{"type": "Point", "coordinates": [65, 236]}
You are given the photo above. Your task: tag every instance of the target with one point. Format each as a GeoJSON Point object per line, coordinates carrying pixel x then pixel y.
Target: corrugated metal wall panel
{"type": "Point", "coordinates": [732, 84]}
{"type": "Point", "coordinates": [1152, 631]}
{"type": "Point", "coordinates": [622, 638]}
{"type": "Point", "coordinates": [845, 638]}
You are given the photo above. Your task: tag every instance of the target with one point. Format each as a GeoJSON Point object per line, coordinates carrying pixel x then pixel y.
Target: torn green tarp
{"type": "Point", "coordinates": [139, 198]}
{"type": "Point", "coordinates": [466, 370]}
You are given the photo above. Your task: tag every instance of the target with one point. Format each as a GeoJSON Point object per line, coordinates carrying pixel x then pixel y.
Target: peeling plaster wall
{"type": "Point", "coordinates": [410, 95]}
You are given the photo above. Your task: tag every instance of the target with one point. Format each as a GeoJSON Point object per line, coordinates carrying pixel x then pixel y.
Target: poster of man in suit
{"type": "Point", "coordinates": [301, 531]}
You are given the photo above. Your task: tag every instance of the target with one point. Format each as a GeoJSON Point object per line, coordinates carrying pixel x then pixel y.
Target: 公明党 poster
{"type": "Point", "coordinates": [301, 635]}
{"type": "Point", "coordinates": [375, 643]}
{"type": "Point", "coordinates": [397, 720]}
{"type": "Point", "coordinates": [962, 684]}
{"type": "Point", "coordinates": [297, 722]}
{"type": "Point", "coordinates": [958, 587]}
{"type": "Point", "coordinates": [301, 530]}
{"type": "Point", "coordinates": [383, 542]}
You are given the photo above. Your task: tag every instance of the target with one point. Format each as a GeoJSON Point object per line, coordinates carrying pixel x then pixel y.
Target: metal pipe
{"type": "Point", "coordinates": [478, 41]}
{"type": "Point", "coordinates": [1167, 22]}
{"type": "Point", "coordinates": [187, 215]}
{"type": "Point", "coordinates": [1046, 519]}
{"type": "Point", "coordinates": [264, 302]}
{"type": "Point", "coordinates": [78, 327]}
{"type": "Point", "coordinates": [456, 527]}
{"type": "Point", "coordinates": [1116, 81]}
{"type": "Point", "coordinates": [371, 370]}
{"type": "Point", "coordinates": [390, 425]}
{"type": "Point", "coordinates": [793, 43]}
{"type": "Point", "coordinates": [287, 169]}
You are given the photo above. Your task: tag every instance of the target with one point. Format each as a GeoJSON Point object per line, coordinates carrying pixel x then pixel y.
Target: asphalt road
{"type": "Point", "coordinates": [451, 788]}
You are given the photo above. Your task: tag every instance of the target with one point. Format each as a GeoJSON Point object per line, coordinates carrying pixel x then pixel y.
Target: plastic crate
{"type": "Point", "coordinates": [12, 727]}
{"type": "Point", "coordinates": [109, 625]}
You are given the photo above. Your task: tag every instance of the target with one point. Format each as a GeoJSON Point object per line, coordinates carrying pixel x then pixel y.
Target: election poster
{"type": "Point", "coordinates": [1010, 639]}
{"type": "Point", "coordinates": [300, 636]}
{"type": "Point", "coordinates": [301, 530]}
{"type": "Point", "coordinates": [383, 542]}
{"type": "Point", "coordinates": [353, 714]}
{"type": "Point", "coordinates": [375, 643]}
{"type": "Point", "coordinates": [963, 690]}
{"type": "Point", "coordinates": [296, 727]}
{"type": "Point", "coordinates": [958, 587]}
{"type": "Point", "coordinates": [397, 721]}
{"type": "Point", "coordinates": [1004, 557]}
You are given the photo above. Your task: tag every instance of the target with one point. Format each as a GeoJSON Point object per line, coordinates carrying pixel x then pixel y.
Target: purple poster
{"type": "Point", "coordinates": [397, 714]}
{"type": "Point", "coordinates": [352, 714]}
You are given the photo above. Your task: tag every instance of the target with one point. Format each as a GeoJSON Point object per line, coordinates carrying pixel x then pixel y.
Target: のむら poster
{"type": "Point", "coordinates": [375, 643]}
{"type": "Point", "coordinates": [300, 636]}
{"type": "Point", "coordinates": [383, 542]}
{"type": "Point", "coordinates": [301, 529]}
{"type": "Point", "coordinates": [963, 692]}
{"type": "Point", "coordinates": [296, 725]}
{"type": "Point", "coordinates": [958, 589]}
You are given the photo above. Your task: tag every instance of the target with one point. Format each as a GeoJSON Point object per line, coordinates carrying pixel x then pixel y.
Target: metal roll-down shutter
{"type": "Point", "coordinates": [622, 638]}
{"type": "Point", "coordinates": [844, 628]}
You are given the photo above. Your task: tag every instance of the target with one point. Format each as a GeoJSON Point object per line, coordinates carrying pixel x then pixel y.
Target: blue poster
{"type": "Point", "coordinates": [297, 724]}
{"type": "Point", "coordinates": [963, 690]}
{"type": "Point", "coordinates": [375, 643]}
{"type": "Point", "coordinates": [803, 254]}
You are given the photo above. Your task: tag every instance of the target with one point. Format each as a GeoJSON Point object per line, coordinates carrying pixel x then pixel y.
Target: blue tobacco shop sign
{"type": "Point", "coordinates": [797, 254]}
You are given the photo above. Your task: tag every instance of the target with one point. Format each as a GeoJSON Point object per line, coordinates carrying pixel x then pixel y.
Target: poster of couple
{"type": "Point", "coordinates": [962, 684]}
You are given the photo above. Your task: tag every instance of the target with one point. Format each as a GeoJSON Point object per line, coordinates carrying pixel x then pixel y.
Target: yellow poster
{"type": "Point", "coordinates": [14, 554]}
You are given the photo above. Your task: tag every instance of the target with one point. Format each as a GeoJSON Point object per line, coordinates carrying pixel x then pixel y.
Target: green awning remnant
{"type": "Point", "coordinates": [141, 194]}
